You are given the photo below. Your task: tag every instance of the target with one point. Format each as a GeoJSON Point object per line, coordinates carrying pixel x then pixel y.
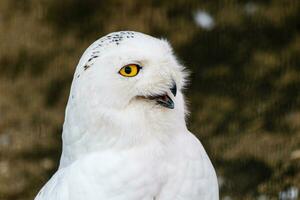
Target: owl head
{"type": "Point", "coordinates": [126, 81]}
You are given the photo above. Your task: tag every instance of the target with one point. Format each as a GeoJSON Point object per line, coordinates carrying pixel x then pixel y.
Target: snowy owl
{"type": "Point", "coordinates": [124, 134]}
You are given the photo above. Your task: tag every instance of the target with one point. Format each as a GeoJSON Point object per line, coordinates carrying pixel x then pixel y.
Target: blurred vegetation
{"type": "Point", "coordinates": [244, 92]}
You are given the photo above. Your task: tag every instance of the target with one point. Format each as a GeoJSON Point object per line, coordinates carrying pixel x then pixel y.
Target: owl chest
{"type": "Point", "coordinates": [117, 176]}
{"type": "Point", "coordinates": [142, 176]}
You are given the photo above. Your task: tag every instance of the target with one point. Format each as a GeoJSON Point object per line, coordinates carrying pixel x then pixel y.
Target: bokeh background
{"type": "Point", "coordinates": [244, 92]}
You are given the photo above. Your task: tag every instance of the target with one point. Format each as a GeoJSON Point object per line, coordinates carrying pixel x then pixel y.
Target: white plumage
{"type": "Point", "coordinates": [125, 138]}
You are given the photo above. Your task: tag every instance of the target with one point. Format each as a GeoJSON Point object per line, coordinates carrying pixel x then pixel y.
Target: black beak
{"type": "Point", "coordinates": [165, 100]}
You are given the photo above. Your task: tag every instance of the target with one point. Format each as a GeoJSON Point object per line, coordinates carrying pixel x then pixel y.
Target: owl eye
{"type": "Point", "coordinates": [130, 70]}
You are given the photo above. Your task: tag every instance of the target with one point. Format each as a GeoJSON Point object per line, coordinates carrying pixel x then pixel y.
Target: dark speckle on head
{"type": "Point", "coordinates": [111, 39]}
{"type": "Point", "coordinates": [86, 67]}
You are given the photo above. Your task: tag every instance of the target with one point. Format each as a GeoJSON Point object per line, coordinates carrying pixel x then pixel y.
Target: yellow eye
{"type": "Point", "coordinates": [130, 70]}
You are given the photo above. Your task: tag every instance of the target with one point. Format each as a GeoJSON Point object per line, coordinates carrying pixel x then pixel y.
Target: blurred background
{"type": "Point", "coordinates": [244, 92]}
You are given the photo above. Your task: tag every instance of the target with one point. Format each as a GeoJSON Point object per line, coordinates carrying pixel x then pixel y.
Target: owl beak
{"type": "Point", "coordinates": [166, 100]}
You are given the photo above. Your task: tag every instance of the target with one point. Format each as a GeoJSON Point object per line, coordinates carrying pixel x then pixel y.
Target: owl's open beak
{"type": "Point", "coordinates": [166, 100]}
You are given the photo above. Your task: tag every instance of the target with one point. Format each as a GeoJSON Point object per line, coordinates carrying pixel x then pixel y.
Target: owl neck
{"type": "Point", "coordinates": [98, 130]}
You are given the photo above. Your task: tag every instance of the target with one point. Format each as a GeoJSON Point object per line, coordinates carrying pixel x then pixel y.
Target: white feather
{"type": "Point", "coordinates": [120, 147]}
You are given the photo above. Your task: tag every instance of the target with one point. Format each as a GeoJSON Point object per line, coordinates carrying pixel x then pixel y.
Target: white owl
{"type": "Point", "coordinates": [124, 135]}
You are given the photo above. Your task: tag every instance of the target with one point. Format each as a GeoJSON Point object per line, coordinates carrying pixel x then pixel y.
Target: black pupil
{"type": "Point", "coordinates": [127, 70]}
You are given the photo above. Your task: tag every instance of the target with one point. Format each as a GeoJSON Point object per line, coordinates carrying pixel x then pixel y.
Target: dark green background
{"type": "Point", "coordinates": [243, 94]}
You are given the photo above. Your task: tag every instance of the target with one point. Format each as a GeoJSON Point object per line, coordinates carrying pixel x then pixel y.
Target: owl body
{"type": "Point", "coordinates": [152, 171]}
{"type": "Point", "coordinates": [124, 134]}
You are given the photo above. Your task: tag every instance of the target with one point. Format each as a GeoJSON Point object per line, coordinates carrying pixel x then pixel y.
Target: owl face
{"type": "Point", "coordinates": [126, 90]}
{"type": "Point", "coordinates": [129, 70]}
